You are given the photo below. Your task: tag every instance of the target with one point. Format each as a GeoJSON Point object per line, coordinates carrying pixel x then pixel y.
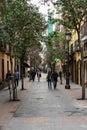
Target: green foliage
{"type": "Point", "coordinates": [73, 12]}
{"type": "Point", "coordinates": [55, 46]}
{"type": "Point", "coordinates": [23, 25]}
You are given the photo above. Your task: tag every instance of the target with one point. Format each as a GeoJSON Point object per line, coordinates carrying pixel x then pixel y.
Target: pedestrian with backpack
{"type": "Point", "coordinates": [16, 78]}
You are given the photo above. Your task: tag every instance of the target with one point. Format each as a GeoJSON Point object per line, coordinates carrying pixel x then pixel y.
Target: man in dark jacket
{"type": "Point", "coordinates": [54, 78]}
{"type": "Point", "coordinates": [8, 78]}
{"type": "Point", "coordinates": [33, 73]}
{"type": "Point", "coordinates": [8, 75]}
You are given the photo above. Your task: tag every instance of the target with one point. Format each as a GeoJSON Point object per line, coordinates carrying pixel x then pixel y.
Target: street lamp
{"type": "Point", "coordinates": [68, 38]}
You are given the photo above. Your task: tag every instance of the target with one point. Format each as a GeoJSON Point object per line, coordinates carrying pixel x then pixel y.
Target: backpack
{"type": "Point", "coordinates": [16, 75]}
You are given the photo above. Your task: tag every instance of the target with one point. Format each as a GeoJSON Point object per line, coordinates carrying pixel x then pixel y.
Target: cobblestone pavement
{"type": "Point", "coordinates": [41, 108]}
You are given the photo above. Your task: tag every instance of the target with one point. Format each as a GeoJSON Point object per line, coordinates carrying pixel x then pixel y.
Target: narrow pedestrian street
{"type": "Point", "coordinates": [48, 109]}
{"type": "Point", "coordinates": [46, 39]}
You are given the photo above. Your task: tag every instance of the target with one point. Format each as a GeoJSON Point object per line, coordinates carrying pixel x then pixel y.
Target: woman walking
{"type": "Point", "coordinates": [49, 79]}
{"type": "Point", "coordinates": [38, 75]}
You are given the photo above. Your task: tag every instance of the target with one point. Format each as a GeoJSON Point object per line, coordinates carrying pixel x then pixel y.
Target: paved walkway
{"type": "Point", "coordinates": [7, 107]}
{"type": "Point", "coordinates": [33, 116]}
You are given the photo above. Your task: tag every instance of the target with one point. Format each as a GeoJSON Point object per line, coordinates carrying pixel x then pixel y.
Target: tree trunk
{"type": "Point", "coordinates": [82, 66]}
{"type": "Point", "coordinates": [13, 87]}
{"type": "Point", "coordinates": [22, 79]}
{"type": "Point", "coordinates": [83, 77]}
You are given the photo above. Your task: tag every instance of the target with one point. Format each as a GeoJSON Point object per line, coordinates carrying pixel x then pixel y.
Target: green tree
{"type": "Point", "coordinates": [23, 26]}
{"type": "Point", "coordinates": [55, 47]}
{"type": "Point", "coordinates": [73, 14]}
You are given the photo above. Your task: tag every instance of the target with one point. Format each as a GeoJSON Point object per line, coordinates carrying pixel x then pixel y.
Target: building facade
{"type": "Point", "coordinates": [5, 64]}
{"type": "Point", "coordinates": [75, 55]}
{"type": "Point", "coordinates": [84, 44]}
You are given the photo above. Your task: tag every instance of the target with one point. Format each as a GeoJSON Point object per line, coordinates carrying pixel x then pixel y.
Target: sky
{"type": "Point", "coordinates": [43, 8]}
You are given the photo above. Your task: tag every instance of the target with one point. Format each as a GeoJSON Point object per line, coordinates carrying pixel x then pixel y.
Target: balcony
{"type": "Point", "coordinates": [85, 53]}
{"type": "Point", "coordinates": [7, 49]}
{"type": "Point", "coordinates": [2, 48]}
{"type": "Point", "coordinates": [85, 50]}
{"type": "Point", "coordinates": [84, 39]}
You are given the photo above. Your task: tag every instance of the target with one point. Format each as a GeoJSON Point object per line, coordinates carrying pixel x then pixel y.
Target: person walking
{"type": "Point", "coordinates": [33, 74]}
{"type": "Point", "coordinates": [49, 79]}
{"type": "Point", "coordinates": [60, 75]}
{"type": "Point", "coordinates": [54, 78]}
{"type": "Point", "coordinates": [8, 82]}
{"type": "Point", "coordinates": [8, 78]}
{"type": "Point", "coordinates": [8, 75]}
{"type": "Point", "coordinates": [16, 78]}
{"type": "Point", "coordinates": [38, 75]}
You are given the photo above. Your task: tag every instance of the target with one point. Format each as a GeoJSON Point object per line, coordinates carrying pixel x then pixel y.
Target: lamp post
{"type": "Point", "coordinates": [68, 38]}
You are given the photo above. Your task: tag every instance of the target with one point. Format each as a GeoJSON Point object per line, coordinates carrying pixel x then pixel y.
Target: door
{"type": "Point", "coordinates": [2, 69]}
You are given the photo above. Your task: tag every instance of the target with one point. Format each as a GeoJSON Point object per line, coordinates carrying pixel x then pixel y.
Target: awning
{"type": "Point", "coordinates": [26, 65]}
{"type": "Point", "coordinates": [85, 59]}
{"type": "Point", "coordinates": [84, 39]}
